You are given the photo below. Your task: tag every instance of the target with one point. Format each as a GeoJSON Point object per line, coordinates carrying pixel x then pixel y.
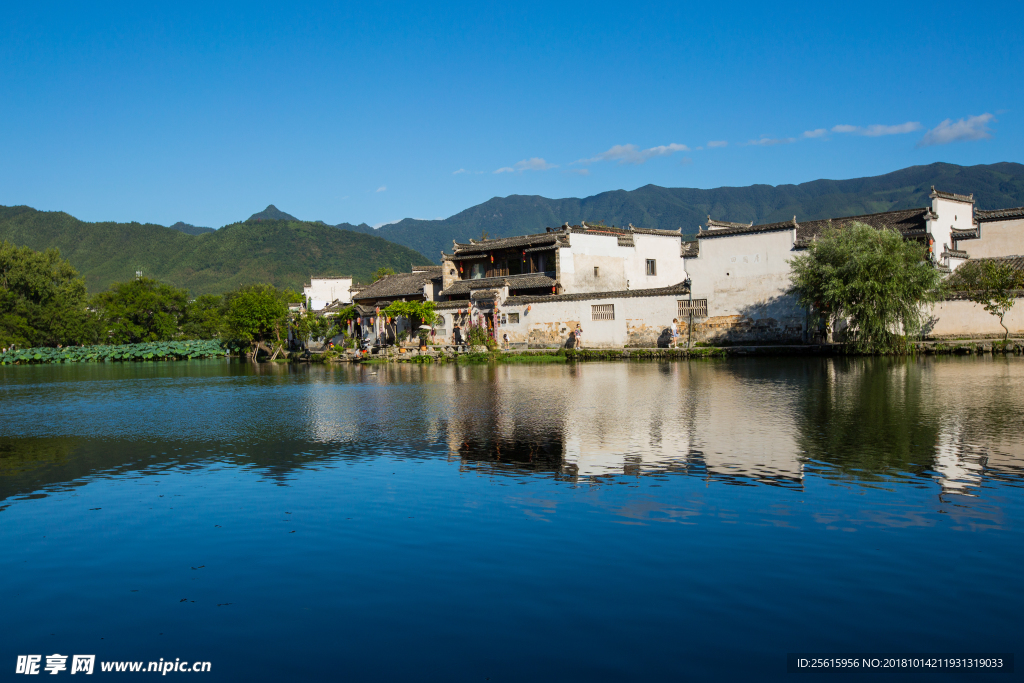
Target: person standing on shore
{"type": "Point", "coordinates": [675, 333]}
{"type": "Point", "coordinates": [578, 337]}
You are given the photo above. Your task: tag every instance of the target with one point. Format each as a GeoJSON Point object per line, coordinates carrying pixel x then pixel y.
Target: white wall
{"type": "Point", "coordinates": [638, 320]}
{"type": "Point", "coordinates": [324, 291]}
{"type": "Point", "coordinates": [967, 319]}
{"type": "Point", "coordinates": [998, 238]}
{"type": "Point", "coordinates": [619, 268]}
{"type": "Point", "coordinates": [951, 214]}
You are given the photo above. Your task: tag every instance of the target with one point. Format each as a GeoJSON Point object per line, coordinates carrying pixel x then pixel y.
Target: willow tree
{"type": "Point", "coordinates": [873, 279]}
{"type": "Point", "coordinates": [992, 283]}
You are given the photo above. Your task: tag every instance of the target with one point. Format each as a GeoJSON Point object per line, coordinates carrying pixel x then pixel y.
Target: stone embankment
{"type": "Point", "coordinates": [481, 354]}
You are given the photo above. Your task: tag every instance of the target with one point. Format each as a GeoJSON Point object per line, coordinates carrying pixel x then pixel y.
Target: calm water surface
{"type": "Point", "coordinates": [677, 521]}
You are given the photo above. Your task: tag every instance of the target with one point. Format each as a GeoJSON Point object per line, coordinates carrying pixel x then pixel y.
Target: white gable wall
{"type": "Point", "coordinates": [951, 215]}
{"type": "Point", "coordinates": [324, 291]}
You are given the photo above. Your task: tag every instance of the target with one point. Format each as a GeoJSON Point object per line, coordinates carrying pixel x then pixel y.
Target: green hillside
{"type": "Point", "coordinates": [994, 186]}
{"type": "Point", "coordinates": [282, 253]}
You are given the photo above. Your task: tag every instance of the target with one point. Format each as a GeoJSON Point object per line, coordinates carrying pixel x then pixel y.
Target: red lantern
{"type": "Point", "coordinates": [492, 258]}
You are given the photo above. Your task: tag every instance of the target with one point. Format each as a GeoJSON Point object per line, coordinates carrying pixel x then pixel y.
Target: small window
{"type": "Point", "coordinates": [597, 271]}
{"type": "Point", "coordinates": [652, 267]}
{"type": "Point", "coordinates": [504, 319]}
{"type": "Point", "coordinates": [699, 307]}
{"type": "Point", "coordinates": [513, 318]}
{"type": "Point", "coordinates": [602, 312]}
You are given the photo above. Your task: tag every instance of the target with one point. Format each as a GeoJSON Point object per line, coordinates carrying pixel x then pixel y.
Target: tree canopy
{"type": "Point", "coordinates": [991, 283]}
{"type": "Point", "coordinates": [141, 310]}
{"type": "Point", "coordinates": [417, 312]}
{"type": "Point", "coordinates": [42, 299]}
{"type": "Point", "coordinates": [256, 313]}
{"type": "Point", "coordinates": [874, 279]}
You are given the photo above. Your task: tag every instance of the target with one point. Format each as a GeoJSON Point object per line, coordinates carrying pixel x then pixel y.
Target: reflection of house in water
{"type": "Point", "coordinates": [688, 418]}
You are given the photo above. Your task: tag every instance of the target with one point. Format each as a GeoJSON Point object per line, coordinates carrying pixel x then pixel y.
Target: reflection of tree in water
{"type": "Point", "coordinates": [22, 456]}
{"type": "Point", "coordinates": [867, 417]}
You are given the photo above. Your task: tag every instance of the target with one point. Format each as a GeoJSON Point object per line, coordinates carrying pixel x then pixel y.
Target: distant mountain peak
{"type": "Point", "coordinates": [190, 229]}
{"type": "Point", "coordinates": [272, 213]}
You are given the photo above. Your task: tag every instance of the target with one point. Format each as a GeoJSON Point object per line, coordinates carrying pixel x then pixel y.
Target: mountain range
{"type": "Point", "coordinates": [994, 186]}
{"type": "Point", "coordinates": [276, 247]}
{"type": "Point", "coordinates": [283, 253]}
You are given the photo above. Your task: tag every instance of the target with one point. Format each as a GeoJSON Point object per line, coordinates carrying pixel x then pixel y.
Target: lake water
{"type": "Point", "coordinates": [601, 521]}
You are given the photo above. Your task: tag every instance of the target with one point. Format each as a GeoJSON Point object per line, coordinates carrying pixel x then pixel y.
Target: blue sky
{"type": "Point", "coordinates": [206, 113]}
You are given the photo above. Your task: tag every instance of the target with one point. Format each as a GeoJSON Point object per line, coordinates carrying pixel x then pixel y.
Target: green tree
{"type": "Point", "coordinates": [42, 299]}
{"type": "Point", "coordinates": [991, 283]}
{"type": "Point", "coordinates": [256, 314]}
{"type": "Point", "coordinates": [873, 278]}
{"type": "Point", "coordinates": [383, 271]}
{"type": "Point", "coordinates": [141, 310]}
{"type": "Point", "coordinates": [417, 312]}
{"type": "Point", "coordinates": [204, 318]}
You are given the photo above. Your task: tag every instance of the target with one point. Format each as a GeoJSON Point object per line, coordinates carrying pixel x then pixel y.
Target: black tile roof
{"type": "Point", "coordinates": [983, 216]}
{"type": "Point", "coordinates": [722, 225]}
{"type": "Point", "coordinates": [1015, 262]}
{"type": "Point", "coordinates": [909, 222]}
{"type": "Point", "coordinates": [967, 198]}
{"type": "Point", "coordinates": [395, 286]}
{"type": "Point", "coordinates": [955, 253]}
{"type": "Point", "coordinates": [959, 235]}
{"type": "Point", "coordinates": [689, 249]}
{"type": "Point", "coordinates": [515, 283]}
{"type": "Point", "coordinates": [680, 288]}
{"type": "Point", "coordinates": [548, 238]}
{"type": "Point", "coordinates": [554, 237]}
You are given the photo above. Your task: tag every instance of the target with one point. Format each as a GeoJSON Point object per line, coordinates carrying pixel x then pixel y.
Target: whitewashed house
{"type": "Point", "coordinates": [622, 286]}
{"type": "Point", "coordinates": [323, 291]}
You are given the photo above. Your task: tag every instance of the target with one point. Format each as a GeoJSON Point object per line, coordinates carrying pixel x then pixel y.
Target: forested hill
{"type": "Point", "coordinates": [994, 186]}
{"type": "Point", "coordinates": [282, 253]}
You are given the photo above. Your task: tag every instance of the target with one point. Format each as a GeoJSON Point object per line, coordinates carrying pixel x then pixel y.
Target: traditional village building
{"type": "Point", "coordinates": [422, 284]}
{"type": "Point", "coordinates": [323, 291]}
{"type": "Point", "coordinates": [999, 233]}
{"type": "Point", "coordinates": [741, 273]}
{"type": "Point", "coordinates": [624, 286]}
{"type": "Point", "coordinates": [621, 285]}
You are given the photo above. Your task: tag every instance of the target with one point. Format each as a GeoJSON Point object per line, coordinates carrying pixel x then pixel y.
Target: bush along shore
{"type": "Point", "coordinates": [146, 351]}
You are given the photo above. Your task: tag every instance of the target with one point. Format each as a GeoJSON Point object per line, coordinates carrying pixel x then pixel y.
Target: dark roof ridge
{"type": "Point", "coordinates": [998, 214]}
{"type": "Point", "coordinates": [965, 198]}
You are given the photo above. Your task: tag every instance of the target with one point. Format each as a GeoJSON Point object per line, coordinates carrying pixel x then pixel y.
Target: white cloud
{"type": "Point", "coordinates": [816, 133]}
{"type": "Point", "coordinates": [578, 171]}
{"type": "Point", "coordinates": [900, 129]}
{"type": "Point", "coordinates": [767, 142]}
{"type": "Point", "coordinates": [461, 170]}
{"type": "Point", "coordinates": [382, 188]}
{"type": "Point", "coordinates": [531, 164]}
{"type": "Point", "coordinates": [717, 143]}
{"type": "Point", "coordinates": [631, 154]}
{"type": "Point", "coordinates": [878, 129]}
{"type": "Point", "coordinates": [971, 128]}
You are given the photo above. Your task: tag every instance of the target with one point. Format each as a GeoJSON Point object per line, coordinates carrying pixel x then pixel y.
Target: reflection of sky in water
{"type": "Point", "coordinates": [652, 521]}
